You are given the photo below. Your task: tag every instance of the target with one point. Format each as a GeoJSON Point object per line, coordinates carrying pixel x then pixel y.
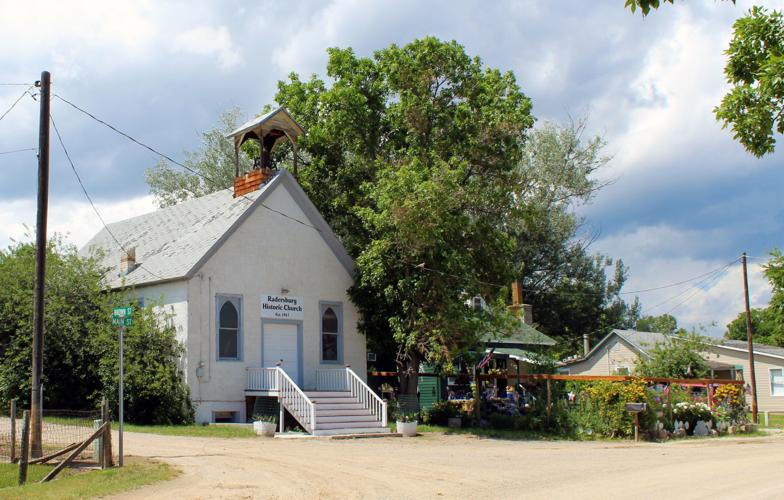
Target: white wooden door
{"type": "Point", "coordinates": [280, 343]}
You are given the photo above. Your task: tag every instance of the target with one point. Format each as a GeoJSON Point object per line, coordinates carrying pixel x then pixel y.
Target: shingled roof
{"type": "Point", "coordinates": [172, 243]}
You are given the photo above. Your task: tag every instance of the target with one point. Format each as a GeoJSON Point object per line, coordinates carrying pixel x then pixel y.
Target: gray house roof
{"type": "Point", "coordinates": [641, 341]}
{"type": "Point", "coordinates": [172, 243]}
{"type": "Point", "coordinates": [742, 345]}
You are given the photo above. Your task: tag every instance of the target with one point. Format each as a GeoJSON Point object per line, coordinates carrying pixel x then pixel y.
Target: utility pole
{"type": "Point", "coordinates": [750, 333]}
{"type": "Point", "coordinates": [36, 405]}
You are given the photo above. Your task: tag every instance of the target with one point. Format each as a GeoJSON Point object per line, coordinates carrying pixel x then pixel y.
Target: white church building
{"type": "Point", "coordinates": [257, 282]}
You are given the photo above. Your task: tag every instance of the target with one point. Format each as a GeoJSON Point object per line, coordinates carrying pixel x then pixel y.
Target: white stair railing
{"type": "Point", "coordinates": [295, 401]}
{"type": "Point", "coordinates": [262, 379]}
{"type": "Point", "coordinates": [365, 395]}
{"type": "Point", "coordinates": [331, 379]}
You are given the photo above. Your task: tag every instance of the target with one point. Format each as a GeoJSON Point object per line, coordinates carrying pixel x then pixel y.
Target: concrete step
{"type": "Point", "coordinates": [321, 419]}
{"type": "Point", "coordinates": [339, 406]}
{"type": "Point", "coordinates": [346, 425]}
{"type": "Point", "coordinates": [352, 431]}
{"type": "Point", "coordinates": [321, 412]}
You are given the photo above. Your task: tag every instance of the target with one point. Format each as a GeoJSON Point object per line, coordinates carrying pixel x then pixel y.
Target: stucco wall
{"type": "Point", "coordinates": [762, 366]}
{"type": "Point", "coordinates": [173, 298]}
{"type": "Point", "coordinates": [615, 353]}
{"type": "Point", "coordinates": [267, 253]}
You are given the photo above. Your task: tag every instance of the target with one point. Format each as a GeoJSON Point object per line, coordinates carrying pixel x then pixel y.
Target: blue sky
{"type": "Point", "coordinates": [685, 198]}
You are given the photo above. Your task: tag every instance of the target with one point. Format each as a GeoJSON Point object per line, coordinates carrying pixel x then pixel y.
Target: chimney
{"type": "Point", "coordinates": [517, 293]}
{"type": "Point", "coordinates": [128, 261]}
{"type": "Point", "coordinates": [528, 314]}
{"type": "Point", "coordinates": [586, 344]}
{"type": "Point", "coordinates": [526, 311]}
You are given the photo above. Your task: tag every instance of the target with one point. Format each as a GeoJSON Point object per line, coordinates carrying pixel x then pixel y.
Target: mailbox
{"type": "Point", "coordinates": [636, 407]}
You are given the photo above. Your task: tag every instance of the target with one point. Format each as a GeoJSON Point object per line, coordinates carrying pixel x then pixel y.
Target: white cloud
{"type": "Point", "coordinates": [74, 220]}
{"type": "Point", "coordinates": [661, 255]}
{"type": "Point", "coordinates": [208, 41]}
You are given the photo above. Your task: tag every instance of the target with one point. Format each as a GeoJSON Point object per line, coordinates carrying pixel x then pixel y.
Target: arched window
{"type": "Point", "coordinates": [229, 327]}
{"type": "Point", "coordinates": [331, 331]}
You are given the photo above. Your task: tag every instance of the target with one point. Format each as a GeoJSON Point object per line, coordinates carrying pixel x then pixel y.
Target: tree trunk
{"type": "Point", "coordinates": [408, 366]}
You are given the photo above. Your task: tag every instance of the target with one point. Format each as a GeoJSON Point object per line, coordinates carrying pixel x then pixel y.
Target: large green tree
{"type": "Point", "coordinates": [573, 291]}
{"type": "Point", "coordinates": [767, 322]}
{"type": "Point", "coordinates": [81, 346]}
{"type": "Point", "coordinates": [414, 151]}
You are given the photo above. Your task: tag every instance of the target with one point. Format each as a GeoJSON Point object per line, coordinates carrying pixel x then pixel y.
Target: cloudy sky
{"type": "Point", "coordinates": [685, 200]}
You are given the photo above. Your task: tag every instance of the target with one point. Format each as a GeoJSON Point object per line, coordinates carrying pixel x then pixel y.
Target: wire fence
{"type": "Point", "coordinates": [59, 430]}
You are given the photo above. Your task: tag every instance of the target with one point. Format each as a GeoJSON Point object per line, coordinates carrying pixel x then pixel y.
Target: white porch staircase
{"type": "Point", "coordinates": [342, 403]}
{"type": "Point", "coordinates": [338, 412]}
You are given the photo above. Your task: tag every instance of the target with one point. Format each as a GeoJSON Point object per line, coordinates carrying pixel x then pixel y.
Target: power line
{"type": "Point", "coordinates": [577, 293]}
{"type": "Point", "coordinates": [713, 275]}
{"type": "Point", "coordinates": [16, 102]}
{"type": "Point", "coordinates": [89, 198]}
{"type": "Point", "coordinates": [17, 151]}
{"type": "Point", "coordinates": [16, 84]}
{"type": "Point", "coordinates": [182, 165]}
{"type": "Point", "coordinates": [676, 306]}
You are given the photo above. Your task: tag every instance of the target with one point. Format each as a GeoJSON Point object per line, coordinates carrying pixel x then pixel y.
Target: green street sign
{"type": "Point", "coordinates": [122, 316]}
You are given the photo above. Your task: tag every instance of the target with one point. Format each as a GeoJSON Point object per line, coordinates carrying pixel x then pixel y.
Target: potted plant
{"type": "Point", "coordinates": [407, 424]}
{"type": "Point", "coordinates": [264, 425]}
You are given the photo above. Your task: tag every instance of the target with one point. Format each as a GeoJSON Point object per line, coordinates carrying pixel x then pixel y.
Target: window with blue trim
{"type": "Point", "coordinates": [331, 331]}
{"type": "Point", "coordinates": [229, 327]}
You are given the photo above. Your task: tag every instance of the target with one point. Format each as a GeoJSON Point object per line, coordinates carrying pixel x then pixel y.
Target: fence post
{"type": "Point", "coordinates": [106, 440]}
{"type": "Point", "coordinates": [549, 400]}
{"type": "Point", "coordinates": [13, 431]}
{"type": "Point", "coordinates": [25, 451]}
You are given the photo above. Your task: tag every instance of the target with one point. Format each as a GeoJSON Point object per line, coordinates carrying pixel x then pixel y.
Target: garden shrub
{"type": "Point", "coordinates": [600, 408]}
{"type": "Point", "coordinates": [730, 405]}
{"type": "Point", "coordinates": [441, 412]}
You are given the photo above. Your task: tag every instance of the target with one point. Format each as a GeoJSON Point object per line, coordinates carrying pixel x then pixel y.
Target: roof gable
{"type": "Point", "coordinates": [174, 242]}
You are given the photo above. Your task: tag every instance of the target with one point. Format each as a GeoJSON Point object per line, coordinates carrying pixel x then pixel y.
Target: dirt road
{"type": "Point", "coordinates": [463, 467]}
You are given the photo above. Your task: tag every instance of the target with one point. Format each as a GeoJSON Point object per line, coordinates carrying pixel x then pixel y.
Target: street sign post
{"type": "Point", "coordinates": [122, 317]}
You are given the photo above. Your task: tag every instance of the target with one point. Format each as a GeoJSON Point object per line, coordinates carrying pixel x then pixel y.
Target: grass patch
{"type": "Point", "coordinates": [776, 420]}
{"type": "Point", "coordinates": [518, 435]}
{"type": "Point", "coordinates": [216, 431]}
{"type": "Point", "coordinates": [71, 484]}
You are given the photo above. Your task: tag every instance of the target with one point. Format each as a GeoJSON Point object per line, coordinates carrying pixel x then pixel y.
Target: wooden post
{"type": "Point", "coordinates": [25, 451]}
{"type": "Point", "coordinates": [750, 338]}
{"type": "Point", "coordinates": [36, 391]}
{"type": "Point", "coordinates": [549, 400]}
{"type": "Point", "coordinates": [636, 426]}
{"type": "Point", "coordinates": [477, 397]}
{"type": "Point", "coordinates": [106, 440]}
{"type": "Point", "coordinates": [13, 431]}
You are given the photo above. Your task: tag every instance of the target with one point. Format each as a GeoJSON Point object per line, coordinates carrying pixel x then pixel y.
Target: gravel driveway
{"type": "Point", "coordinates": [461, 466]}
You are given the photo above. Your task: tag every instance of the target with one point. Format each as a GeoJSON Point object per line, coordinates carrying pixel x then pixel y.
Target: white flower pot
{"type": "Point", "coordinates": [407, 429]}
{"type": "Point", "coordinates": [265, 428]}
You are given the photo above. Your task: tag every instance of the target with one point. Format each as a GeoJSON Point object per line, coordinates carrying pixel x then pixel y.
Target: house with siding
{"type": "Point", "coordinates": [257, 283]}
{"type": "Point", "coordinates": [617, 353]}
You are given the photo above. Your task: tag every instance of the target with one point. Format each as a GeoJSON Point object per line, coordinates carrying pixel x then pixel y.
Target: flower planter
{"type": "Point", "coordinates": [407, 429]}
{"type": "Point", "coordinates": [265, 428]}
